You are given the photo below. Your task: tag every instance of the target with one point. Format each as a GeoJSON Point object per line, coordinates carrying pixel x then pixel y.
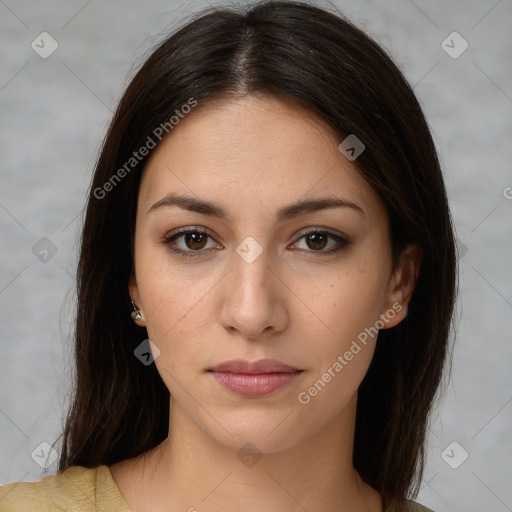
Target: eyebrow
{"type": "Point", "coordinates": [285, 213]}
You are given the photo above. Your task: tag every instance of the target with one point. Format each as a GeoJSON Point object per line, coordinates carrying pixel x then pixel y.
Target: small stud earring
{"type": "Point", "coordinates": [137, 316]}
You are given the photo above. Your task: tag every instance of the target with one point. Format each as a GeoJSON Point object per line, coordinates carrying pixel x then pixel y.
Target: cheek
{"type": "Point", "coordinates": [352, 300]}
{"type": "Point", "coordinates": [349, 307]}
{"type": "Point", "coordinates": [176, 305]}
{"type": "Point", "coordinates": [340, 360]}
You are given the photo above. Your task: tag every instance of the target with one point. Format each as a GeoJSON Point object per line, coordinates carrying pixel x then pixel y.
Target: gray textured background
{"type": "Point", "coordinates": [54, 114]}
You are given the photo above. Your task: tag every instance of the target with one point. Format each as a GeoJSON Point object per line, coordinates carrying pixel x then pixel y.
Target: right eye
{"type": "Point", "coordinates": [193, 238]}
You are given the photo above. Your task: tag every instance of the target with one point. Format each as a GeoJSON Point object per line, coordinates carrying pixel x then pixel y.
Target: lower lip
{"type": "Point", "coordinates": [254, 385]}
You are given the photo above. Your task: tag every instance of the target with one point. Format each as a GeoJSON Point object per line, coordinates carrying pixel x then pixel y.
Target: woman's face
{"type": "Point", "coordinates": [252, 282]}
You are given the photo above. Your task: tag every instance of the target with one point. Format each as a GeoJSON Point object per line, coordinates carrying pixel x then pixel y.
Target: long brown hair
{"type": "Point", "coordinates": [316, 59]}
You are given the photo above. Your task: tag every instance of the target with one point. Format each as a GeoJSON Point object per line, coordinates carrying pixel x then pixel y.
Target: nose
{"type": "Point", "coordinates": [254, 299]}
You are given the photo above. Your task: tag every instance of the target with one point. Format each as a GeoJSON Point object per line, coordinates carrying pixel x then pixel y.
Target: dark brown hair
{"type": "Point", "coordinates": [312, 58]}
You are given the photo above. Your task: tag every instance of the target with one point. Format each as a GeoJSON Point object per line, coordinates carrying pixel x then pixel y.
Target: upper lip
{"type": "Point", "coordinates": [253, 367]}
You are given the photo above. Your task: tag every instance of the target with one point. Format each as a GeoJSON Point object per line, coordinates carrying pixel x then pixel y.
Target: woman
{"type": "Point", "coordinates": [266, 279]}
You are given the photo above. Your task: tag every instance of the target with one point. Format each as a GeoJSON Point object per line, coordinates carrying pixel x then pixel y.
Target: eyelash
{"type": "Point", "coordinates": [169, 239]}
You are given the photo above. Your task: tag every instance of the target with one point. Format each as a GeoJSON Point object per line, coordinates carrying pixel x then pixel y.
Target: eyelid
{"type": "Point", "coordinates": [328, 231]}
{"type": "Point", "coordinates": [189, 229]}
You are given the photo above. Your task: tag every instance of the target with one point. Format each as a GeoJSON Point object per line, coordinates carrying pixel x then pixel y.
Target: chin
{"type": "Point", "coordinates": [267, 434]}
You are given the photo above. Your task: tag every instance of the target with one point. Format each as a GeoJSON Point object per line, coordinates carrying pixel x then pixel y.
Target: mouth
{"type": "Point", "coordinates": [254, 379]}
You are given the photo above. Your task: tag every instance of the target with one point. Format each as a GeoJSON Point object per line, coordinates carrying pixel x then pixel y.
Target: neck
{"type": "Point", "coordinates": [192, 472]}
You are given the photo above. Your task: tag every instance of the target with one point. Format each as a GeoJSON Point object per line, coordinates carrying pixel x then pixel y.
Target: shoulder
{"type": "Point", "coordinates": [73, 489]}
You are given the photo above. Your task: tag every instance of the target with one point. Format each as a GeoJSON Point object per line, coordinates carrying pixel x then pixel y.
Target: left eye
{"type": "Point", "coordinates": [318, 240]}
{"type": "Point", "coordinates": [195, 240]}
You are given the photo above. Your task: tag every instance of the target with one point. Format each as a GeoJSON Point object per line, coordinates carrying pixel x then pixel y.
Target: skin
{"type": "Point", "coordinates": [251, 157]}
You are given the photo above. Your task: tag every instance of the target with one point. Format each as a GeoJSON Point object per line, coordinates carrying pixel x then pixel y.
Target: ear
{"type": "Point", "coordinates": [401, 285]}
{"type": "Point", "coordinates": [133, 290]}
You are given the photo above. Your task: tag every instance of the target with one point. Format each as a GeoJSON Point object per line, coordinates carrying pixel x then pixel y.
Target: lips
{"type": "Point", "coordinates": [254, 379]}
{"type": "Point", "coordinates": [255, 367]}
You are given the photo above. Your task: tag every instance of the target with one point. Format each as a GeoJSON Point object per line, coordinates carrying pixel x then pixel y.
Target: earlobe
{"type": "Point", "coordinates": [137, 314]}
{"type": "Point", "coordinates": [403, 282]}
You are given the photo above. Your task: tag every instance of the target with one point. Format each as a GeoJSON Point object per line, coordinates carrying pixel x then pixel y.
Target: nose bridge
{"type": "Point", "coordinates": [251, 268]}
{"type": "Point", "coordinates": [251, 303]}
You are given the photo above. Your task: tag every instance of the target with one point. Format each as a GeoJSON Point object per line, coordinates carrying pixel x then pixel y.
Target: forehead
{"type": "Point", "coordinates": [259, 150]}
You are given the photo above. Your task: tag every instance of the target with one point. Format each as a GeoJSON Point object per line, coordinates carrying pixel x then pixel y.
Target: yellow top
{"type": "Point", "coordinates": [80, 489]}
